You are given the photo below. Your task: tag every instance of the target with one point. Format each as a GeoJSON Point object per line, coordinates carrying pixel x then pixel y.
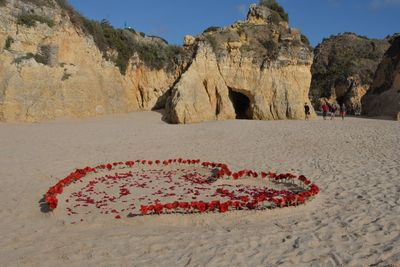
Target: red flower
{"type": "Point", "coordinates": [184, 205]}
{"type": "Point", "coordinates": [249, 197]}
{"type": "Point", "coordinates": [211, 206]}
{"type": "Point", "coordinates": [169, 206]}
{"type": "Point", "coordinates": [300, 199]}
{"type": "Point", "coordinates": [150, 207]}
{"type": "Point", "coordinates": [129, 163]}
{"type": "Point", "coordinates": [52, 201]}
{"type": "Point", "coordinates": [237, 204]}
{"type": "Point", "coordinates": [223, 207]}
{"type": "Point", "coordinates": [143, 210]}
{"type": "Point", "coordinates": [158, 208]}
{"type": "Point", "coordinates": [201, 206]}
{"type": "Point", "coordinates": [251, 205]}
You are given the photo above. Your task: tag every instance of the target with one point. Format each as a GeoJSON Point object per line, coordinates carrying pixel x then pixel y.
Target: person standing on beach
{"type": "Point", "coordinates": [333, 111]}
{"type": "Point", "coordinates": [343, 111]}
{"type": "Point", "coordinates": [307, 111]}
{"type": "Point", "coordinates": [325, 109]}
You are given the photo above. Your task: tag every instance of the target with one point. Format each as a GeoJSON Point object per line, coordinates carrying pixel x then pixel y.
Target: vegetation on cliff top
{"type": "Point", "coordinates": [155, 55]}
{"type": "Point", "coordinates": [212, 29]}
{"type": "Point", "coordinates": [273, 5]}
{"type": "Point", "coordinates": [125, 42]}
{"type": "Point", "coordinates": [262, 44]}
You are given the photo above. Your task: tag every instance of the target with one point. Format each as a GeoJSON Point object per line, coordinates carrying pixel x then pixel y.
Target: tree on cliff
{"type": "Point", "coordinates": [272, 4]}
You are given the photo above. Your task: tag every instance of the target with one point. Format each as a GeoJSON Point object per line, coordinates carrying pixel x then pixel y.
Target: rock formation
{"type": "Point", "coordinates": [344, 68]}
{"type": "Point", "coordinates": [256, 69]}
{"type": "Point", "coordinates": [55, 63]}
{"type": "Point", "coordinates": [383, 99]}
{"type": "Point", "coordinates": [50, 67]}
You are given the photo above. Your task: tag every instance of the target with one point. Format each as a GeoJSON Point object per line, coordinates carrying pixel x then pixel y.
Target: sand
{"type": "Point", "coordinates": [355, 221]}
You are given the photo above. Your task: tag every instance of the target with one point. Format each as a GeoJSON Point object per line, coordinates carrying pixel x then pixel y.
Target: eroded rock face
{"type": "Point", "coordinates": [49, 72]}
{"type": "Point", "coordinates": [383, 99]}
{"type": "Point", "coordinates": [348, 91]}
{"type": "Point", "coordinates": [343, 69]}
{"type": "Point", "coordinates": [257, 69]}
{"type": "Point", "coordinates": [200, 96]}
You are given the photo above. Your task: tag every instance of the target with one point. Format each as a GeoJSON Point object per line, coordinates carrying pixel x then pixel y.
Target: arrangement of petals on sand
{"type": "Point", "coordinates": [143, 187]}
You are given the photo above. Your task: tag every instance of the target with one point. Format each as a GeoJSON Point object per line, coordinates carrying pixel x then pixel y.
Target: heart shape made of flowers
{"type": "Point", "coordinates": [144, 187]}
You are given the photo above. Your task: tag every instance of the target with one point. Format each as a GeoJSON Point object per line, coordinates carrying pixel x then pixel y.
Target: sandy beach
{"type": "Point", "coordinates": [354, 221]}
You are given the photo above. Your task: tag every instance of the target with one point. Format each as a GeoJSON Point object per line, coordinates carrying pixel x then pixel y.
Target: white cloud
{"type": "Point", "coordinates": [377, 4]}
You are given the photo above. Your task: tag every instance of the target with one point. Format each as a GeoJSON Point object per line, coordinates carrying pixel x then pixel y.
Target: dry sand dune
{"type": "Point", "coordinates": [355, 221]}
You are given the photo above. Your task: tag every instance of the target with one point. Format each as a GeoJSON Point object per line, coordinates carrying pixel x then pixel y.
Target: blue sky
{"type": "Point", "coordinates": [172, 19]}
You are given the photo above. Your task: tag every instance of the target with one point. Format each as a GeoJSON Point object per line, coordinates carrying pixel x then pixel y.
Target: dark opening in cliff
{"type": "Point", "coordinates": [241, 103]}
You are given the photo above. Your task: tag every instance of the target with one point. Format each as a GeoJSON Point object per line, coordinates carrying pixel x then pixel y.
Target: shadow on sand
{"type": "Point", "coordinates": [44, 207]}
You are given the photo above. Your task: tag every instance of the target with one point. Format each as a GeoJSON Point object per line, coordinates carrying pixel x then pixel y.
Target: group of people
{"type": "Point", "coordinates": [326, 108]}
{"type": "Point", "coordinates": [333, 110]}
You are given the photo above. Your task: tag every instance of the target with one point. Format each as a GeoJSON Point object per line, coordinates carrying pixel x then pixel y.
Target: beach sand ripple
{"type": "Point", "coordinates": [353, 222]}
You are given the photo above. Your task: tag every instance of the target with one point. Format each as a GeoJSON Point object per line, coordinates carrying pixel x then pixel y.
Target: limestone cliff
{"type": "Point", "coordinates": [256, 69]}
{"type": "Point", "coordinates": [55, 63]}
{"type": "Point", "coordinates": [343, 69]}
{"type": "Point", "coordinates": [383, 99]}
{"type": "Point", "coordinates": [50, 67]}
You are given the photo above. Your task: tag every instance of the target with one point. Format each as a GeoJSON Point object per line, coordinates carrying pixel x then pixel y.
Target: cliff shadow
{"type": "Point", "coordinates": [160, 106]}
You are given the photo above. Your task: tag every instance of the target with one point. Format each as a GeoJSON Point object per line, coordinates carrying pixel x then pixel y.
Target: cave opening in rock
{"type": "Point", "coordinates": [241, 103]}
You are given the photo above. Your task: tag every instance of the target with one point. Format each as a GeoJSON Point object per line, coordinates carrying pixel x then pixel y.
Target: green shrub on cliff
{"type": "Point", "coordinates": [30, 20]}
{"type": "Point", "coordinates": [125, 42]}
{"type": "Point", "coordinates": [212, 40]}
{"type": "Point", "coordinates": [37, 57]}
{"type": "Point", "coordinates": [3, 2]}
{"type": "Point", "coordinates": [9, 42]}
{"type": "Point", "coordinates": [155, 55]}
{"type": "Point", "coordinates": [305, 40]}
{"type": "Point", "coordinates": [273, 5]}
{"type": "Point", "coordinates": [76, 18]}
{"type": "Point", "coordinates": [212, 29]}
